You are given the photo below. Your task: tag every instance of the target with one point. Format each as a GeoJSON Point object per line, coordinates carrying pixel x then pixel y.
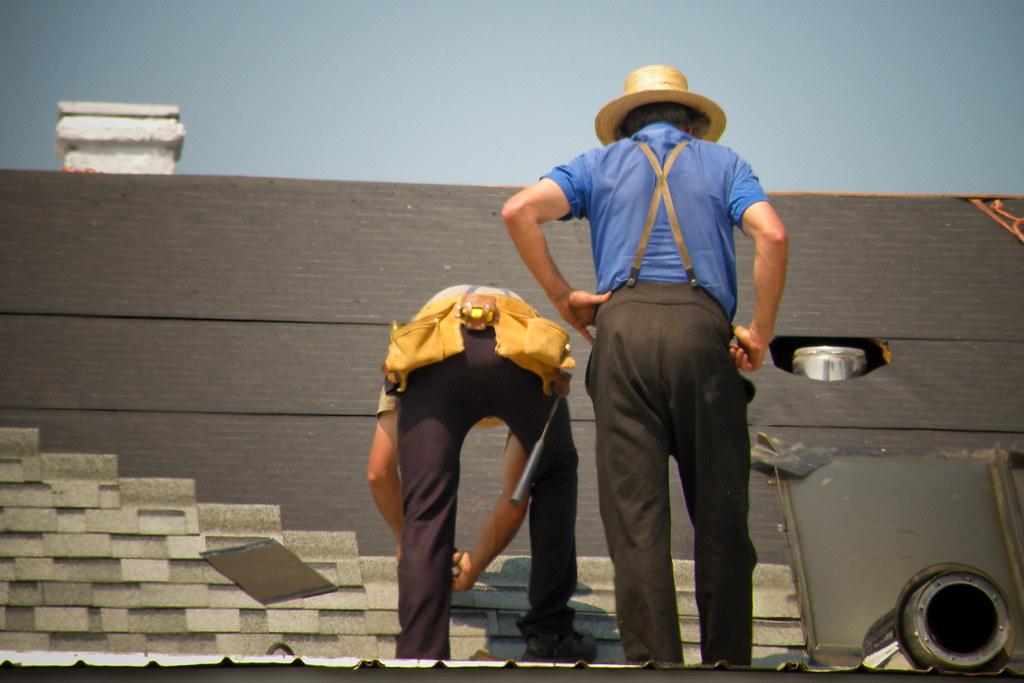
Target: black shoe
{"type": "Point", "coordinates": [560, 647]}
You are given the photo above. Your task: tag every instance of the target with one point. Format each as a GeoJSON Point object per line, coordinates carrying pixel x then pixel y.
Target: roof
{"type": "Point", "coordinates": [229, 331]}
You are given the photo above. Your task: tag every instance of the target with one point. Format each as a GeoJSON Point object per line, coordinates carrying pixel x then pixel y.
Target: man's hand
{"type": "Point", "coordinates": [749, 351]}
{"type": "Point", "coordinates": [463, 574]}
{"type": "Point", "coordinates": [579, 309]}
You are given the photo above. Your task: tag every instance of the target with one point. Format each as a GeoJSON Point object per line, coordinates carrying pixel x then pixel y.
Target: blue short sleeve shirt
{"type": "Point", "coordinates": [711, 187]}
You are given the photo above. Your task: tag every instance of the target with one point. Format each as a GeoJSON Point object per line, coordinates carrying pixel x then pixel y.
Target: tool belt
{"type": "Point", "coordinates": [521, 335]}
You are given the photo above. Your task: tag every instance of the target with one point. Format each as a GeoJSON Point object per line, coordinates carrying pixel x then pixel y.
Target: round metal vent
{"type": "Point", "coordinates": [829, 363]}
{"type": "Point", "coordinates": [949, 617]}
{"type": "Point", "coordinates": [956, 620]}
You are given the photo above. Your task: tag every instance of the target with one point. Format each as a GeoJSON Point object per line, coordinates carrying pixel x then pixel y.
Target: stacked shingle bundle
{"type": "Point", "coordinates": [94, 562]}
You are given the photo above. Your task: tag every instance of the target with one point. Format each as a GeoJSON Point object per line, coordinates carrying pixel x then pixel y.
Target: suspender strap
{"type": "Point", "coordinates": [661, 192]}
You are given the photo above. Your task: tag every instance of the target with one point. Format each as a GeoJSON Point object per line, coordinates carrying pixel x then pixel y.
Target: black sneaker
{"type": "Point", "coordinates": [560, 647]}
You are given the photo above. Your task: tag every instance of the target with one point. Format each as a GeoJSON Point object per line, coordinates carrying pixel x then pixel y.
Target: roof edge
{"type": "Point", "coordinates": [516, 188]}
{"type": "Point", "coordinates": [896, 195]}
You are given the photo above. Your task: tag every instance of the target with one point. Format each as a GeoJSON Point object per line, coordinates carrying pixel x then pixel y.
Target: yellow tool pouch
{"type": "Point", "coordinates": [433, 335]}
{"type": "Point", "coordinates": [528, 340]}
{"type": "Point", "coordinates": [547, 342]}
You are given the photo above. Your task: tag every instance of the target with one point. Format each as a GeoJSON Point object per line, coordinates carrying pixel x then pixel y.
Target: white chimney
{"type": "Point", "coordinates": [111, 137]}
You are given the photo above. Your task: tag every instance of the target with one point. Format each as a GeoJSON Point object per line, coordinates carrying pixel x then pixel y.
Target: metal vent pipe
{"type": "Point", "coordinates": [949, 617]}
{"type": "Point", "coordinates": [829, 363]}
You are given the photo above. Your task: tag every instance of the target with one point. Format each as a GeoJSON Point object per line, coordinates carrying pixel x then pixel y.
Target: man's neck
{"type": "Point", "coordinates": [654, 127]}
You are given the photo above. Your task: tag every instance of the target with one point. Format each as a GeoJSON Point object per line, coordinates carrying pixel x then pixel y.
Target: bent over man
{"type": "Point", "coordinates": [473, 353]}
{"type": "Point", "coordinates": [662, 200]}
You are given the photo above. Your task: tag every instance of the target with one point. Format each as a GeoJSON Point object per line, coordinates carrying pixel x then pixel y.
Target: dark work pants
{"type": "Point", "coordinates": [663, 385]}
{"type": "Point", "coordinates": [441, 404]}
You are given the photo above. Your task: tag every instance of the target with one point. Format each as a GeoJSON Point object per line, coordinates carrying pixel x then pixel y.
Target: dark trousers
{"type": "Point", "coordinates": [663, 385]}
{"type": "Point", "coordinates": [440, 405]}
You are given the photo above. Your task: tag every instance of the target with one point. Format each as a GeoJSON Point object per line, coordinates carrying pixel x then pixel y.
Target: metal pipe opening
{"type": "Point", "coordinates": [955, 620]}
{"type": "Point", "coordinates": [961, 619]}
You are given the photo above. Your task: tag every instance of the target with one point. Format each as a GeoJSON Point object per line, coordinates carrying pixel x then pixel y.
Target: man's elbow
{"type": "Point", "coordinates": [777, 238]}
{"type": "Point", "coordinates": [373, 478]}
{"type": "Point", "coordinates": [378, 476]}
{"type": "Point", "coordinates": [520, 514]}
{"type": "Point", "coordinates": [515, 514]}
{"type": "Point", "coordinates": [513, 211]}
{"type": "Point", "coordinates": [773, 247]}
{"type": "Point", "coordinates": [766, 227]}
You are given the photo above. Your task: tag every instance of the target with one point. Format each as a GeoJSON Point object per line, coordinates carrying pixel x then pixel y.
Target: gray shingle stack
{"type": "Point", "coordinates": [91, 562]}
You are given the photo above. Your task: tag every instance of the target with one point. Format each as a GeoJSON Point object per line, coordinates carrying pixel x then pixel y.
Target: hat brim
{"type": "Point", "coordinates": [611, 116]}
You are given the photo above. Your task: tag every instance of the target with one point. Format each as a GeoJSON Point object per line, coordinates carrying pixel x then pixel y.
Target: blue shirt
{"type": "Point", "coordinates": [711, 187]}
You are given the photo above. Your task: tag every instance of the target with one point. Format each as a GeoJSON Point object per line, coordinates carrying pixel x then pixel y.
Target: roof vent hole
{"type": "Point", "coordinates": [829, 359]}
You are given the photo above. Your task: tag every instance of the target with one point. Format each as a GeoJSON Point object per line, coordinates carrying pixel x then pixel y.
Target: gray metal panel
{"type": "Point", "coordinates": [892, 441]}
{"type": "Point", "coordinates": [1009, 486]}
{"type": "Point", "coordinates": [1018, 482]}
{"type": "Point", "coordinates": [863, 526]}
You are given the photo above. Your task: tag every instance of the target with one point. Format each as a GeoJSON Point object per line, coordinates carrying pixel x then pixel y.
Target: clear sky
{"type": "Point", "coordinates": [887, 96]}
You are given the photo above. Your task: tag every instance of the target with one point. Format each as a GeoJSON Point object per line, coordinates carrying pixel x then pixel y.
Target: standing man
{"type": "Point", "coordinates": [472, 354]}
{"type": "Point", "coordinates": [662, 200]}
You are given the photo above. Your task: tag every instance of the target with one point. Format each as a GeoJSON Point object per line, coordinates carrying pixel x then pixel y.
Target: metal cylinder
{"type": "Point", "coordinates": [955, 620]}
{"type": "Point", "coordinates": [829, 363]}
{"type": "Point", "coordinates": [950, 617]}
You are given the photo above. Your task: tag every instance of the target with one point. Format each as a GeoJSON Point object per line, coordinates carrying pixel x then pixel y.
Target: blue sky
{"type": "Point", "coordinates": [886, 96]}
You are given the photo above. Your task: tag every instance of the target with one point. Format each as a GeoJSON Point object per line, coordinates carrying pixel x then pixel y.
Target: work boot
{"type": "Point", "coordinates": [560, 647]}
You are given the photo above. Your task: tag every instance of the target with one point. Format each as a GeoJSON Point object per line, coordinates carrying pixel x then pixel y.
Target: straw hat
{"type": "Point", "coordinates": [656, 83]}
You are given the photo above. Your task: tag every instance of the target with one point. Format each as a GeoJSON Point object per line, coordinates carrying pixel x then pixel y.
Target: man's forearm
{"type": "Point", "coordinates": [497, 532]}
{"type": "Point", "coordinates": [382, 473]}
{"type": "Point", "coordinates": [771, 253]}
{"type": "Point", "coordinates": [387, 494]}
{"type": "Point", "coordinates": [770, 262]}
{"type": "Point", "coordinates": [771, 256]}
